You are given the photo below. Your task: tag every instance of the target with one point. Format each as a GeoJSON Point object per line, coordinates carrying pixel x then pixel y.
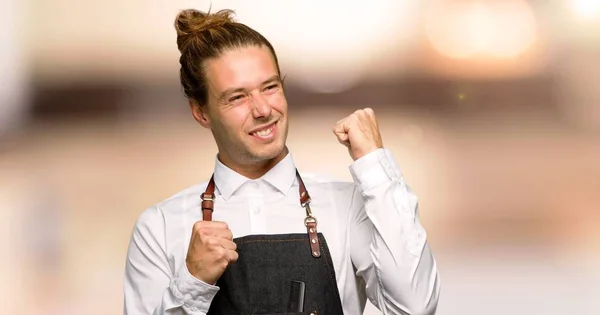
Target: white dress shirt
{"type": "Point", "coordinates": [378, 247]}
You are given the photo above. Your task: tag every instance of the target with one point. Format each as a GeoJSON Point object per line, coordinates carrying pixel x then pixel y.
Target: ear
{"type": "Point", "coordinates": [200, 114]}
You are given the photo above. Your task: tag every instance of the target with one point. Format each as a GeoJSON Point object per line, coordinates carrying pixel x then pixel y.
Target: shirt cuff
{"type": "Point", "coordinates": [374, 169]}
{"type": "Point", "coordinates": [196, 295]}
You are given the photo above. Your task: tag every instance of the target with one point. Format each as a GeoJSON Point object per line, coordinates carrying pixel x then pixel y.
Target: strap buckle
{"type": "Point", "coordinates": [309, 219]}
{"type": "Point", "coordinates": [305, 204]}
{"type": "Point", "coordinates": [204, 197]}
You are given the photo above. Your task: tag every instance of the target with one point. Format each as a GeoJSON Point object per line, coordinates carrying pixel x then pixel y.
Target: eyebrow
{"type": "Point", "coordinates": [272, 79]}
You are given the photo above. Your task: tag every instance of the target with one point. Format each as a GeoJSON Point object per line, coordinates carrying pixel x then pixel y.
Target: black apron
{"type": "Point", "coordinates": [277, 274]}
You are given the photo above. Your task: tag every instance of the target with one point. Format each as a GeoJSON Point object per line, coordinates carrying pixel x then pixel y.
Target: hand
{"type": "Point", "coordinates": [359, 132]}
{"type": "Point", "coordinates": [211, 250]}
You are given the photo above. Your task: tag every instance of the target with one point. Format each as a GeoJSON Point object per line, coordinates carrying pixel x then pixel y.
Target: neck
{"type": "Point", "coordinates": [256, 169]}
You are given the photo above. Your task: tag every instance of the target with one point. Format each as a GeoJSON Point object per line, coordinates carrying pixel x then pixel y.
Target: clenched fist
{"type": "Point", "coordinates": [211, 250]}
{"type": "Point", "coordinates": [359, 132]}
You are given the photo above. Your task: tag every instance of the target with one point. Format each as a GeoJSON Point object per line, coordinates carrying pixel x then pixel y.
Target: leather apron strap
{"type": "Point", "coordinates": [208, 198]}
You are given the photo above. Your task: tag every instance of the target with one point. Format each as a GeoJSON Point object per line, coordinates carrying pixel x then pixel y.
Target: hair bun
{"type": "Point", "coordinates": [192, 22]}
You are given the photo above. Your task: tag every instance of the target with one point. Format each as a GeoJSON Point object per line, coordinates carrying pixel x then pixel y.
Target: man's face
{"type": "Point", "coordinates": [247, 109]}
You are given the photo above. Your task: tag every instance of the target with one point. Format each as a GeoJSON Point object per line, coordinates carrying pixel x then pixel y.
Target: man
{"type": "Point", "coordinates": [259, 238]}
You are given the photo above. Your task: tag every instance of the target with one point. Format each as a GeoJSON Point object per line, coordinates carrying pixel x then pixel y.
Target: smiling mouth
{"type": "Point", "coordinates": [265, 133]}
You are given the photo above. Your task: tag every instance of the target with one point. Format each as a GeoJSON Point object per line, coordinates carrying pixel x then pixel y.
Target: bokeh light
{"type": "Point", "coordinates": [462, 29]}
{"type": "Point", "coordinates": [587, 9]}
{"type": "Point", "coordinates": [327, 45]}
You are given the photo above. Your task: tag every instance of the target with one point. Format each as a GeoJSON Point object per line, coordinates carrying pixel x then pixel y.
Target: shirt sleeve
{"type": "Point", "coordinates": [389, 249]}
{"type": "Point", "coordinates": [151, 286]}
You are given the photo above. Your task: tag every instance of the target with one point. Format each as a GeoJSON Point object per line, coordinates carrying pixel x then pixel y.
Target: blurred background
{"type": "Point", "coordinates": [492, 109]}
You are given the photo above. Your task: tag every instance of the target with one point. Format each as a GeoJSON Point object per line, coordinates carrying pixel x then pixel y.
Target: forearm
{"type": "Point", "coordinates": [403, 263]}
{"type": "Point", "coordinates": [184, 295]}
{"type": "Point", "coordinates": [401, 275]}
{"type": "Point", "coordinates": [151, 285]}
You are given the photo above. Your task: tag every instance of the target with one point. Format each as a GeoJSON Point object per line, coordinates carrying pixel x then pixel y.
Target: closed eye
{"type": "Point", "coordinates": [271, 87]}
{"type": "Point", "coordinates": [236, 98]}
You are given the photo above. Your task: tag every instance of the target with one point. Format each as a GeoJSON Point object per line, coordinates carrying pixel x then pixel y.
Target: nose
{"type": "Point", "coordinates": [260, 107]}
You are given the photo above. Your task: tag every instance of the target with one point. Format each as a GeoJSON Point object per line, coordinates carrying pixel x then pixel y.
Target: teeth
{"type": "Point", "coordinates": [264, 133]}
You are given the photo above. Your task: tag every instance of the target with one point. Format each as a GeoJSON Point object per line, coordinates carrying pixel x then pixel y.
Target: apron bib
{"type": "Point", "coordinates": [277, 274]}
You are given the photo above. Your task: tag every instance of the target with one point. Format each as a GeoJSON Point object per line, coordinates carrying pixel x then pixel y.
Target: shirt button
{"type": "Point", "coordinates": [256, 209]}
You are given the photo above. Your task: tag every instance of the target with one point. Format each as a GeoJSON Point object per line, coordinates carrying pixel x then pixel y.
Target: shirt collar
{"type": "Point", "coordinates": [282, 176]}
